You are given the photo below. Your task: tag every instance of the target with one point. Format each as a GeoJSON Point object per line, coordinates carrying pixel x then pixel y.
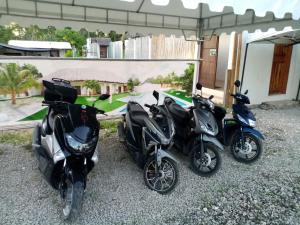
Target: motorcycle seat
{"type": "Point", "coordinates": [137, 113]}
{"type": "Point", "coordinates": [178, 112]}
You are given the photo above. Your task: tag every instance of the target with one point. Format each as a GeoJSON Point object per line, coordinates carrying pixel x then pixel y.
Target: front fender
{"type": "Point", "coordinates": [162, 154]}
{"type": "Point", "coordinates": [213, 140]}
{"type": "Point", "coordinates": [253, 131]}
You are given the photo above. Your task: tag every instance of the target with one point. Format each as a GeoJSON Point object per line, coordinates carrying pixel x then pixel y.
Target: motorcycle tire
{"type": "Point", "coordinates": [249, 138]}
{"type": "Point", "coordinates": [202, 166]}
{"type": "Point", "coordinates": [155, 182]}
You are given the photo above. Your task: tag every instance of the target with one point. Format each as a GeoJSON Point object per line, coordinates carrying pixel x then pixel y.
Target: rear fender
{"type": "Point", "coordinates": [253, 131]}
{"type": "Point", "coordinates": [214, 141]}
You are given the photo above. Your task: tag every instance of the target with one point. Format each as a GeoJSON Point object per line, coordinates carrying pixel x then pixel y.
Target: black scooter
{"type": "Point", "coordinates": [65, 143]}
{"type": "Point", "coordinates": [148, 144]}
{"type": "Point", "coordinates": [196, 130]}
{"type": "Point", "coordinates": [238, 132]}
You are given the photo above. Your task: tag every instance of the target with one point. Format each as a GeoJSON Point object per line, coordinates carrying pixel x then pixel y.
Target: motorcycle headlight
{"type": "Point", "coordinates": [252, 123]}
{"type": "Point", "coordinates": [80, 147]}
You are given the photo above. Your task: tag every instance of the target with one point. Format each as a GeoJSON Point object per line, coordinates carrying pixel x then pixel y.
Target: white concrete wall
{"type": "Point", "coordinates": [258, 74]}
{"type": "Point", "coordinates": [222, 64]}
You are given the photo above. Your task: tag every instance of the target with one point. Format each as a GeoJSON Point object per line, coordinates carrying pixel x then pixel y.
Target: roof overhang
{"type": "Point", "coordinates": [17, 48]}
{"type": "Point", "coordinates": [40, 44]}
{"type": "Point", "coordinates": [144, 17]}
{"type": "Point", "coordinates": [289, 37]}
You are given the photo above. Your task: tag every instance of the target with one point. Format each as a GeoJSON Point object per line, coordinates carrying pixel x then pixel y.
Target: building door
{"type": "Point", "coordinates": [280, 69]}
{"type": "Point", "coordinates": [208, 65]}
{"type": "Point", "coordinates": [103, 52]}
{"type": "Point", "coordinates": [78, 88]}
{"type": "Point", "coordinates": [107, 90]}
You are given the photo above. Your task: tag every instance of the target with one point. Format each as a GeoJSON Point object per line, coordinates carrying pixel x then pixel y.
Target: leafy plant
{"type": "Point", "coordinates": [34, 71]}
{"type": "Point", "coordinates": [171, 78]}
{"type": "Point", "coordinates": [187, 79]}
{"type": "Point", "coordinates": [14, 79]}
{"type": "Point", "coordinates": [92, 85]}
{"type": "Point", "coordinates": [131, 83]}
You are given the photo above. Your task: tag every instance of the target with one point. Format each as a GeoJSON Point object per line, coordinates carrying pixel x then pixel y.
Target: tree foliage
{"type": "Point", "coordinates": [171, 78]}
{"type": "Point", "coordinates": [131, 83]}
{"type": "Point", "coordinates": [93, 85]}
{"type": "Point", "coordinates": [14, 79]}
{"type": "Point", "coordinates": [33, 70]}
{"type": "Point", "coordinates": [187, 79]}
{"type": "Point", "coordinates": [76, 38]}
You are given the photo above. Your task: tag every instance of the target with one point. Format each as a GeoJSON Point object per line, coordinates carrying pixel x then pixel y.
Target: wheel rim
{"type": "Point", "coordinates": [67, 200]}
{"type": "Point", "coordinates": [248, 151]}
{"type": "Point", "coordinates": [164, 179]}
{"type": "Point", "coordinates": [207, 163]}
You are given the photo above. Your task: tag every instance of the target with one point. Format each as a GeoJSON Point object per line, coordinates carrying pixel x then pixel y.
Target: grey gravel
{"type": "Point", "coordinates": [266, 192]}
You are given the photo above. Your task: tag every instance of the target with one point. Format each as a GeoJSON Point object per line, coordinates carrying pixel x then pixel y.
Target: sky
{"type": "Point", "coordinates": [279, 7]}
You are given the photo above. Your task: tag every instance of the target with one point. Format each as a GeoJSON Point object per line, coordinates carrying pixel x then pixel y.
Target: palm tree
{"type": "Point", "coordinates": [92, 85]}
{"type": "Point", "coordinates": [14, 79]}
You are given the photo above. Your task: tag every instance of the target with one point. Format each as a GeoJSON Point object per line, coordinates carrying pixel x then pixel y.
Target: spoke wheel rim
{"type": "Point", "coordinates": [164, 179]}
{"type": "Point", "coordinates": [207, 163]}
{"type": "Point", "coordinates": [248, 151]}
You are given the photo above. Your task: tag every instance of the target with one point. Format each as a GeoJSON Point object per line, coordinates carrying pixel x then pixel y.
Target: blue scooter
{"type": "Point", "coordinates": [237, 132]}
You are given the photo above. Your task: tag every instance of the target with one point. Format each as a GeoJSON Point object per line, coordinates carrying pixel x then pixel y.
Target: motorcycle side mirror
{"type": "Point", "coordinates": [103, 96]}
{"type": "Point", "coordinates": [237, 83]}
{"type": "Point", "coordinates": [199, 86]}
{"type": "Point", "coordinates": [156, 95]}
{"type": "Point", "coordinates": [211, 97]}
{"type": "Point", "coordinates": [246, 92]}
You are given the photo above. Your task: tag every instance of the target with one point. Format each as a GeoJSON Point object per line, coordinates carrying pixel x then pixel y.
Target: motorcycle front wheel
{"type": "Point", "coordinates": [163, 179]}
{"type": "Point", "coordinates": [248, 150]}
{"type": "Point", "coordinates": [209, 163]}
{"type": "Point", "coordinates": [72, 199]}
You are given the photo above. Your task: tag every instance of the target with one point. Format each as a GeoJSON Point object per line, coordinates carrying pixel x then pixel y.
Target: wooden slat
{"type": "Point", "coordinates": [208, 66]}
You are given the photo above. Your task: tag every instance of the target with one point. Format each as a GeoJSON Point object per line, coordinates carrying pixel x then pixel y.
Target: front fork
{"type": "Point", "coordinates": [67, 173]}
{"type": "Point", "coordinates": [157, 159]}
{"type": "Point", "coordinates": [242, 141]}
{"type": "Point", "coordinates": [200, 139]}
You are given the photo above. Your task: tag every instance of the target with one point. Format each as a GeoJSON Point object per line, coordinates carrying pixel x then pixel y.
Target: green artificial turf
{"type": "Point", "coordinates": [86, 100]}
{"type": "Point", "coordinates": [180, 94]}
{"type": "Point", "coordinates": [36, 116]}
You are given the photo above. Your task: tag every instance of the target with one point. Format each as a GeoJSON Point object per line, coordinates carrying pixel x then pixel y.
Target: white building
{"type": "Point", "coordinates": [97, 47]}
{"type": "Point", "coordinates": [44, 48]}
{"type": "Point", "coordinates": [272, 71]}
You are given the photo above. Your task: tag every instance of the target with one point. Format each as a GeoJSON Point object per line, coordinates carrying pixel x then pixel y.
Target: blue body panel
{"type": "Point", "coordinates": [254, 132]}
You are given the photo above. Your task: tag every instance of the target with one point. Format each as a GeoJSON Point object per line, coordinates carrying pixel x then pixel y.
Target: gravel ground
{"type": "Point", "coordinates": [267, 192]}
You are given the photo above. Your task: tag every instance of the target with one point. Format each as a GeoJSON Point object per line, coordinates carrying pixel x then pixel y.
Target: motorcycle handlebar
{"type": "Point", "coordinates": [147, 105]}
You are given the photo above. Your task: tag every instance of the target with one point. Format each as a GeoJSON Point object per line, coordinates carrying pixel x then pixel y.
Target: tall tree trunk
{"type": "Point", "coordinates": [13, 97]}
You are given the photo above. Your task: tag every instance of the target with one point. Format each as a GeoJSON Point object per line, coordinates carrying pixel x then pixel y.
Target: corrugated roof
{"type": "Point", "coordinates": [40, 44]}
{"type": "Point", "coordinates": [79, 74]}
{"type": "Point", "coordinates": [288, 37]}
{"type": "Point", "coordinates": [142, 16]}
